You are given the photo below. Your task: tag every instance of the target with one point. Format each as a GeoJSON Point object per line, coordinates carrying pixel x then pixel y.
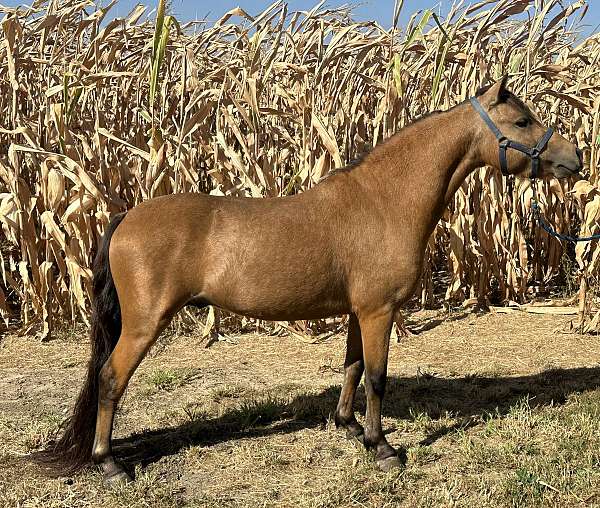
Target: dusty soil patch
{"type": "Point", "coordinates": [493, 411]}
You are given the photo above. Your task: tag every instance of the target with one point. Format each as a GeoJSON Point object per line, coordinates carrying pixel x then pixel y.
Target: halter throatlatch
{"type": "Point", "coordinates": [534, 154]}
{"type": "Point", "coordinates": [504, 143]}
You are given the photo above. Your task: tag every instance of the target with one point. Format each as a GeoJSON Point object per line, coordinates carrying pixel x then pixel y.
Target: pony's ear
{"type": "Point", "coordinates": [498, 92]}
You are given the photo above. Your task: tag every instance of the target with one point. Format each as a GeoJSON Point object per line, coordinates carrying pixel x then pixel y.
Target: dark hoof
{"type": "Point", "coordinates": [389, 463]}
{"type": "Point", "coordinates": [117, 478]}
{"type": "Point", "coordinates": [114, 474]}
{"type": "Point", "coordinates": [352, 435]}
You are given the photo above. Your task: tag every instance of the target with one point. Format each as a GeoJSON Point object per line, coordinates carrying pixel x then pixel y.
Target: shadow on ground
{"type": "Point", "coordinates": [421, 325]}
{"type": "Point", "coordinates": [468, 398]}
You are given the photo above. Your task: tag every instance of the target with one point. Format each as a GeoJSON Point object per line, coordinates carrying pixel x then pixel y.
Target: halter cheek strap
{"type": "Point", "coordinates": [504, 143]}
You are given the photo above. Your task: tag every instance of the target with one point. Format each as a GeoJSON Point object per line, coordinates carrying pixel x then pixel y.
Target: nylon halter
{"type": "Point", "coordinates": [534, 154]}
{"type": "Point", "coordinates": [504, 143]}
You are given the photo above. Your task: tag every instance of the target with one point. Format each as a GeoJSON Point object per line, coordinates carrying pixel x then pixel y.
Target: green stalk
{"type": "Point", "coordinates": [158, 50]}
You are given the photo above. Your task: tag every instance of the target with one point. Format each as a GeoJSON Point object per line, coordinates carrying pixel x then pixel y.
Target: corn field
{"type": "Point", "coordinates": [97, 115]}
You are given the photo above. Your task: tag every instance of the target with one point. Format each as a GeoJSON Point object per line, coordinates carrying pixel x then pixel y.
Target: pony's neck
{"type": "Point", "coordinates": [420, 168]}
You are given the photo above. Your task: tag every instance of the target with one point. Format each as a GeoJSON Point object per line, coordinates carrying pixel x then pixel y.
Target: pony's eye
{"type": "Point", "coordinates": [522, 123]}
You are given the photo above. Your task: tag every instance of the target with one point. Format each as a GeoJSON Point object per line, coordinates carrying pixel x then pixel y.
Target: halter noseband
{"type": "Point", "coordinates": [505, 143]}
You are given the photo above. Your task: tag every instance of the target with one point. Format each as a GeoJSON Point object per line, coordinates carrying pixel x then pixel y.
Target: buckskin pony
{"type": "Point", "coordinates": [353, 244]}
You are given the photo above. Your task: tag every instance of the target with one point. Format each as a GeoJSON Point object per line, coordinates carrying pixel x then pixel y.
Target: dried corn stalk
{"type": "Point", "coordinates": [265, 106]}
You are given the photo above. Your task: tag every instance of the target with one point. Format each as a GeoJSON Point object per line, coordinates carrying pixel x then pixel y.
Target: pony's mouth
{"type": "Point", "coordinates": [569, 171]}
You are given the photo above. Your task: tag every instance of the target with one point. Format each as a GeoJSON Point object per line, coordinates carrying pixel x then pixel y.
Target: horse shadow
{"type": "Point", "coordinates": [467, 399]}
{"type": "Point", "coordinates": [419, 325]}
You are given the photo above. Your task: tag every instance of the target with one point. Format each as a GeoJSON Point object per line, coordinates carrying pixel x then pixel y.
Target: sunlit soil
{"type": "Point", "coordinates": [498, 410]}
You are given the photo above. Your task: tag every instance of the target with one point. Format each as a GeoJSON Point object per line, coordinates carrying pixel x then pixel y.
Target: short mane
{"type": "Point", "coordinates": [360, 159]}
{"type": "Point", "coordinates": [354, 163]}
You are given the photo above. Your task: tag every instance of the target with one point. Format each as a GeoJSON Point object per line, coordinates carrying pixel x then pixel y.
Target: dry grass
{"type": "Point", "coordinates": [265, 106]}
{"type": "Point", "coordinates": [492, 411]}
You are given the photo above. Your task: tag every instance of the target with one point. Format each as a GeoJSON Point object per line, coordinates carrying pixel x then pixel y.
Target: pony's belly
{"type": "Point", "coordinates": [274, 280]}
{"type": "Point", "coordinates": [293, 312]}
{"type": "Point", "coordinates": [280, 304]}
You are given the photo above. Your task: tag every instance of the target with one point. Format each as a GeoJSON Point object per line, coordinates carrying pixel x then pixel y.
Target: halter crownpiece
{"type": "Point", "coordinates": [505, 143]}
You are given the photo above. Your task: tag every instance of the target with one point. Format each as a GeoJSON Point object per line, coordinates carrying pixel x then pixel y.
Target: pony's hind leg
{"type": "Point", "coordinates": [353, 370]}
{"type": "Point", "coordinates": [133, 344]}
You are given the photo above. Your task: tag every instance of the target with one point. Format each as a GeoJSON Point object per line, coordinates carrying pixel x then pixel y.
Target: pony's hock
{"type": "Point", "coordinates": [277, 259]}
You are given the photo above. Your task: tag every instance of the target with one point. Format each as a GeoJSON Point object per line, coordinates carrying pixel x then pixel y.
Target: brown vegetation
{"type": "Point", "coordinates": [266, 106]}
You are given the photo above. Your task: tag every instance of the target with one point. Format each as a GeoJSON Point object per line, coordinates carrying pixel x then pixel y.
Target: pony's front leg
{"type": "Point", "coordinates": [353, 370]}
{"type": "Point", "coordinates": [376, 328]}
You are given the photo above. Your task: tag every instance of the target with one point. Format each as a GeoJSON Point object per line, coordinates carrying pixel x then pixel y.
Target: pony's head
{"type": "Point", "coordinates": [516, 122]}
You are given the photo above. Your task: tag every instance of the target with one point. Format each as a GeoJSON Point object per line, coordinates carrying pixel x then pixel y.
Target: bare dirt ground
{"type": "Point", "coordinates": [497, 410]}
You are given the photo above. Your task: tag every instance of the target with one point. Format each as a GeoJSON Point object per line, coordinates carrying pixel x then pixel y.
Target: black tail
{"type": "Point", "coordinates": [73, 449]}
